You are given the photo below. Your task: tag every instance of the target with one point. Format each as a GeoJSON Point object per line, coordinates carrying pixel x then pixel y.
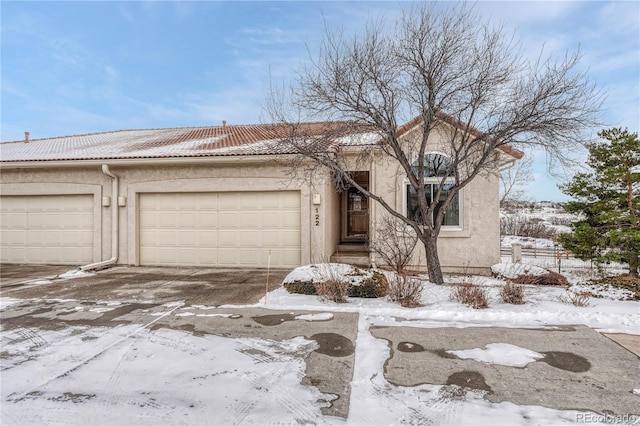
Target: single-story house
{"type": "Point", "coordinates": [218, 196]}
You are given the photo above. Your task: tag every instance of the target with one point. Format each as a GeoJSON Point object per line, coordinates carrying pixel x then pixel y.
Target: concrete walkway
{"type": "Point", "coordinates": [581, 369]}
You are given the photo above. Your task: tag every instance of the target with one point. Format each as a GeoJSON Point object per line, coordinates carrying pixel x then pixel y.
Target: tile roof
{"type": "Point", "coordinates": [212, 141]}
{"type": "Point", "coordinates": [231, 140]}
{"type": "Point", "coordinates": [460, 125]}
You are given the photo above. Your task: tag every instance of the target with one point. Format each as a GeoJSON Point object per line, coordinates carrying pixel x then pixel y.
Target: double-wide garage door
{"type": "Point", "coordinates": [226, 229]}
{"type": "Point", "coordinates": [46, 229]}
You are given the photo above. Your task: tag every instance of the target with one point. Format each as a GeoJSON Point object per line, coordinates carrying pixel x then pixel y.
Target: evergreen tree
{"type": "Point", "coordinates": [608, 201]}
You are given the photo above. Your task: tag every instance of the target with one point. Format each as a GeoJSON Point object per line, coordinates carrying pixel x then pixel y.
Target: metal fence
{"type": "Point", "coordinates": [555, 258]}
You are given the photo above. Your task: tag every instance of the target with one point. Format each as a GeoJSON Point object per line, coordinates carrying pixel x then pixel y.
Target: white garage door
{"type": "Point", "coordinates": [228, 229]}
{"type": "Point", "coordinates": [53, 229]}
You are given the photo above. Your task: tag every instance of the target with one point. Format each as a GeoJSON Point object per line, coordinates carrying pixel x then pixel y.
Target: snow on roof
{"type": "Point", "coordinates": [210, 141]}
{"type": "Point", "coordinates": [258, 139]}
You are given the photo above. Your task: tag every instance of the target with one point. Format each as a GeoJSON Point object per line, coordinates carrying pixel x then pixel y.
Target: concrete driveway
{"type": "Point", "coordinates": [582, 370]}
{"type": "Point", "coordinates": [212, 287]}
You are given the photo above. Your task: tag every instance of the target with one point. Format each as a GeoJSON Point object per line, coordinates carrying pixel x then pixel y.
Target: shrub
{"type": "Point", "coordinates": [579, 299]}
{"type": "Point", "coordinates": [301, 287]}
{"type": "Point", "coordinates": [395, 243]}
{"type": "Point", "coordinates": [406, 291]}
{"type": "Point", "coordinates": [360, 283]}
{"type": "Point", "coordinates": [549, 278]}
{"type": "Point", "coordinates": [375, 286]}
{"type": "Point", "coordinates": [470, 295]}
{"type": "Point", "coordinates": [525, 227]}
{"type": "Point", "coordinates": [512, 293]}
{"type": "Point", "coordinates": [333, 290]}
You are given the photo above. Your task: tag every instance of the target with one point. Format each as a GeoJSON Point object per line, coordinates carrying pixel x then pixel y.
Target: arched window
{"type": "Point", "coordinates": [436, 167]}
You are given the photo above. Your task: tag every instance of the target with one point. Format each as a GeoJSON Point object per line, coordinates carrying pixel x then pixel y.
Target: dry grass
{"type": "Point", "coordinates": [470, 295]}
{"type": "Point", "coordinates": [405, 290]}
{"type": "Point", "coordinates": [512, 293]}
{"type": "Point", "coordinates": [550, 278]}
{"type": "Point", "coordinates": [579, 299]}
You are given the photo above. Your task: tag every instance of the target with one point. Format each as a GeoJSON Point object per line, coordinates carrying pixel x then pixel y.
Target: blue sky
{"type": "Point", "coordinates": [82, 67]}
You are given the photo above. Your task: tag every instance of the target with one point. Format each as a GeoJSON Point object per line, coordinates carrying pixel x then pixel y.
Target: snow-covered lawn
{"type": "Point", "coordinates": [99, 375]}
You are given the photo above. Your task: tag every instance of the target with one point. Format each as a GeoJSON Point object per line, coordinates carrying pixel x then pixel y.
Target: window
{"type": "Point", "coordinates": [436, 167]}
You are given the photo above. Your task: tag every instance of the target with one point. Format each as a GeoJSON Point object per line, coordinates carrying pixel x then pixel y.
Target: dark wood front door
{"type": "Point", "coordinates": [356, 217]}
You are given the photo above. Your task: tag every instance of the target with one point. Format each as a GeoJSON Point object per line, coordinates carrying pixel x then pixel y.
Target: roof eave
{"type": "Point", "coordinates": [220, 159]}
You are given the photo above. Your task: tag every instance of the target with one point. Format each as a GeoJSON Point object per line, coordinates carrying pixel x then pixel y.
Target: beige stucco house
{"type": "Point", "coordinates": [211, 196]}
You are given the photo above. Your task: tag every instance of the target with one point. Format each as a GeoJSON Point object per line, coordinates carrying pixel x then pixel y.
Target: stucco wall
{"type": "Point", "coordinates": [474, 246]}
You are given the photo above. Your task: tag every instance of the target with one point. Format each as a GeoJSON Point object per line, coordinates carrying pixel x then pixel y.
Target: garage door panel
{"type": "Point", "coordinates": [290, 238]}
{"type": "Point", "coordinates": [248, 238]}
{"type": "Point", "coordinates": [227, 220]}
{"type": "Point", "coordinates": [13, 254]}
{"type": "Point", "coordinates": [220, 229]}
{"type": "Point", "coordinates": [290, 219]}
{"type": "Point", "coordinates": [209, 220]}
{"type": "Point", "coordinates": [187, 219]}
{"type": "Point", "coordinates": [55, 229]}
{"type": "Point", "coordinates": [14, 219]}
{"type": "Point", "coordinates": [14, 237]}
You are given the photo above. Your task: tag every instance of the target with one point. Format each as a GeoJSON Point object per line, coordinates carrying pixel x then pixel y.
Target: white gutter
{"type": "Point", "coordinates": [115, 228]}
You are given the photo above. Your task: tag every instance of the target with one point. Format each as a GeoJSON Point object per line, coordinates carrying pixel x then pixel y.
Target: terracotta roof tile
{"type": "Point", "coordinates": [460, 125]}
{"type": "Point", "coordinates": [184, 142]}
{"type": "Point", "coordinates": [258, 139]}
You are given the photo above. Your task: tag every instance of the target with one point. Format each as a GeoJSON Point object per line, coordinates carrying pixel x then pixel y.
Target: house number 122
{"type": "Point", "coordinates": [317, 217]}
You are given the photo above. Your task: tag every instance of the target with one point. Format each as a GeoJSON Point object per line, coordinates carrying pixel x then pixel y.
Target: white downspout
{"type": "Point", "coordinates": [115, 228]}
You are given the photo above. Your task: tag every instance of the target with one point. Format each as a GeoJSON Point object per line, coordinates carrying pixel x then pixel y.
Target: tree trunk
{"type": "Point", "coordinates": [633, 264]}
{"type": "Point", "coordinates": [433, 260]}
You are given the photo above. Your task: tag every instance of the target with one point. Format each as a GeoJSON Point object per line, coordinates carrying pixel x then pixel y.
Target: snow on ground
{"type": "Point", "coordinates": [543, 307]}
{"type": "Point", "coordinates": [75, 273]}
{"type": "Point", "coordinates": [513, 270]}
{"type": "Point", "coordinates": [324, 316]}
{"type": "Point", "coordinates": [159, 377]}
{"type": "Point", "coordinates": [96, 375]}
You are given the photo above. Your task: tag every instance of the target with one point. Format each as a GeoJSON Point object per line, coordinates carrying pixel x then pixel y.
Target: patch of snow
{"type": "Point", "coordinates": [369, 138]}
{"type": "Point", "coordinates": [219, 315]}
{"type": "Point", "coordinates": [636, 392]}
{"type": "Point", "coordinates": [172, 304]}
{"type": "Point", "coordinates": [500, 353]}
{"type": "Point", "coordinates": [7, 301]}
{"type": "Point", "coordinates": [75, 273]}
{"type": "Point", "coordinates": [513, 270]}
{"type": "Point", "coordinates": [40, 282]}
{"type": "Point", "coordinates": [101, 310]}
{"type": "Point", "coordinates": [185, 314]}
{"type": "Point", "coordinates": [324, 316]}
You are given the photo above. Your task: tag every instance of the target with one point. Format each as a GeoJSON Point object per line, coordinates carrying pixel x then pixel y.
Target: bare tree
{"type": "Point", "coordinates": [513, 178]}
{"type": "Point", "coordinates": [454, 74]}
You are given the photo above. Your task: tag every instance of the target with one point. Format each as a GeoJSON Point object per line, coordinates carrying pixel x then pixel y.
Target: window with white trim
{"type": "Point", "coordinates": [436, 167]}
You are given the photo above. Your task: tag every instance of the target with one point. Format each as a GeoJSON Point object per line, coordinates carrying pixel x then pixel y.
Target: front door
{"type": "Point", "coordinates": [355, 216]}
